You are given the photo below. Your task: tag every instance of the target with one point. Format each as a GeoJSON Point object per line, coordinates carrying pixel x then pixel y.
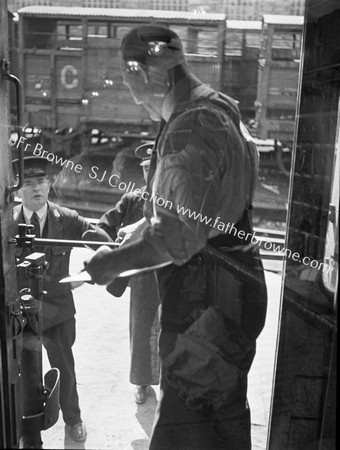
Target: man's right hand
{"type": "Point", "coordinates": [99, 265]}
{"type": "Point", "coordinates": [132, 232]}
{"type": "Point", "coordinates": [136, 255]}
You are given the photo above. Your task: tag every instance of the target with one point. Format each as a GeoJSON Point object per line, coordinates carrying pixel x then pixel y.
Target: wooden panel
{"type": "Point", "coordinates": [282, 89]}
{"type": "Point", "coordinates": [206, 70]}
{"type": "Point", "coordinates": [102, 64]}
{"type": "Point", "coordinates": [68, 116]}
{"type": "Point", "coordinates": [39, 116]}
{"type": "Point", "coordinates": [37, 71]}
{"type": "Point", "coordinates": [116, 105]}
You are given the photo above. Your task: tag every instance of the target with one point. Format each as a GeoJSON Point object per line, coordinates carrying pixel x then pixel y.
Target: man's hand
{"type": "Point", "coordinates": [132, 232]}
{"type": "Point", "coordinates": [100, 266]}
{"type": "Point", "coordinates": [106, 264]}
{"type": "Point", "coordinates": [96, 235]}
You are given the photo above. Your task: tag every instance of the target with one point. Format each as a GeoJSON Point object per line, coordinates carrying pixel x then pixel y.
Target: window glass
{"type": "Point", "coordinates": [233, 43]}
{"type": "Point", "coordinates": [207, 42]}
{"type": "Point", "coordinates": [69, 31]}
{"type": "Point", "coordinates": [97, 30]}
{"type": "Point", "coordinates": [286, 46]}
{"type": "Point", "coordinates": [331, 255]}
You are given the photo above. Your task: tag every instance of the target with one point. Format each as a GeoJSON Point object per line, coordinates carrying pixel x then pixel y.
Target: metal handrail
{"type": "Point", "coordinates": [18, 89]}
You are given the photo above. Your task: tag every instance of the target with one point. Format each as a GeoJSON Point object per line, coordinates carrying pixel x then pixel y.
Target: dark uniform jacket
{"type": "Point", "coordinates": [128, 210]}
{"type": "Point", "coordinates": [144, 300]}
{"type": "Point", "coordinates": [61, 223]}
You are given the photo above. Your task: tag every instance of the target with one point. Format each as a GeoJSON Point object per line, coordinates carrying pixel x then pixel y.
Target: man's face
{"type": "Point", "coordinates": [34, 192]}
{"type": "Point", "coordinates": [143, 90]}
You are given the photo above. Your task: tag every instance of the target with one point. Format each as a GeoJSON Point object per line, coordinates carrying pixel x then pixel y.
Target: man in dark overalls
{"type": "Point", "coordinates": [202, 178]}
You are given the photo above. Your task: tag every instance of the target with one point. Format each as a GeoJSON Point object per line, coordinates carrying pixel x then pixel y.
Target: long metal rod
{"type": "Point", "coordinates": [67, 243]}
{"type": "Point", "coordinates": [73, 243]}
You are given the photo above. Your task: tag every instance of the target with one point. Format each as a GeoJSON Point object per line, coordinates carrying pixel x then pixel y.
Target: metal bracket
{"type": "Point", "coordinates": [18, 89]}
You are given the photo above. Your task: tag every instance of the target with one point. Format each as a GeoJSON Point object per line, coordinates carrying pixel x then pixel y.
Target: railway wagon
{"type": "Point", "coordinates": [242, 49]}
{"type": "Point", "coordinates": [278, 72]}
{"type": "Point", "coordinates": [75, 98]}
{"type": "Point", "coordinates": [74, 95]}
{"type": "Point", "coordinates": [70, 64]}
{"type": "Point", "coordinates": [70, 60]}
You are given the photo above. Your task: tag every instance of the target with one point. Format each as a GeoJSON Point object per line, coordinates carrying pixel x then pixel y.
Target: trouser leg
{"type": "Point", "coordinates": [58, 341]}
{"type": "Point", "coordinates": [177, 427]}
{"type": "Point", "coordinates": [144, 367]}
{"type": "Point", "coordinates": [183, 290]}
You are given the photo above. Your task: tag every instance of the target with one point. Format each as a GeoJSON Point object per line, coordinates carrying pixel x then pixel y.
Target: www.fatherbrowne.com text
{"type": "Point", "coordinates": [114, 182]}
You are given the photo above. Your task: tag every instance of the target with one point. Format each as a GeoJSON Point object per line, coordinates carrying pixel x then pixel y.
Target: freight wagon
{"type": "Point", "coordinates": [70, 61]}
{"type": "Point", "coordinates": [77, 107]}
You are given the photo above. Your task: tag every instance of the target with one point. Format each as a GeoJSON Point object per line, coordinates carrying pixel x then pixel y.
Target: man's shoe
{"type": "Point", "coordinates": [141, 393]}
{"type": "Point", "coordinates": [78, 432]}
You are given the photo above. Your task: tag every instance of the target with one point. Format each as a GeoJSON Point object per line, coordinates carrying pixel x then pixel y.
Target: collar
{"type": "Point", "coordinates": [168, 105]}
{"type": "Point", "coordinates": [42, 212]}
{"type": "Point", "coordinates": [181, 92]}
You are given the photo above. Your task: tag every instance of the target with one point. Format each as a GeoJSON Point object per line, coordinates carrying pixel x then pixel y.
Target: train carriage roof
{"type": "Point", "coordinates": [119, 13]}
{"type": "Point", "coordinates": [244, 24]}
{"type": "Point", "coordinates": [278, 19]}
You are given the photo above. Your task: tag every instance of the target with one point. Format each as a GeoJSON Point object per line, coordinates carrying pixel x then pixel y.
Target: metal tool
{"type": "Point", "coordinates": [85, 276]}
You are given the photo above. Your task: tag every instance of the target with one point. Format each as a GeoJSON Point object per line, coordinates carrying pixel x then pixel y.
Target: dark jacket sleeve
{"type": "Point", "coordinates": [74, 226]}
{"type": "Point", "coordinates": [116, 217]}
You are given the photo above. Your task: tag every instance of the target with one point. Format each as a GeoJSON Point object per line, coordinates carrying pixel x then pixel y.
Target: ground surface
{"type": "Point", "coordinates": [113, 419]}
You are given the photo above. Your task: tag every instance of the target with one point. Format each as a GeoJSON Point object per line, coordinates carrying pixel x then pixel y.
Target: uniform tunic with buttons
{"type": "Point", "coordinates": [61, 223]}
{"type": "Point", "coordinates": [58, 309]}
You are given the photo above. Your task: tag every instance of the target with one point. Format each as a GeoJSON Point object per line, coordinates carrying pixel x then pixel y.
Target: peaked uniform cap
{"type": "Point", "coordinates": [144, 152]}
{"type": "Point", "coordinates": [34, 166]}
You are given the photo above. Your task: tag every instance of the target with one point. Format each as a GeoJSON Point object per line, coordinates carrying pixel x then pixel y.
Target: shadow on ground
{"type": "Point", "coordinates": [145, 415]}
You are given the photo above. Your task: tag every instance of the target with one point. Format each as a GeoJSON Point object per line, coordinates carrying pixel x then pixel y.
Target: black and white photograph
{"type": "Point", "coordinates": [169, 207]}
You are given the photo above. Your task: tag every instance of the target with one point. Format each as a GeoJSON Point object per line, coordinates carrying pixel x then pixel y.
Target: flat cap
{"type": "Point", "coordinates": [34, 166]}
{"type": "Point", "coordinates": [152, 45]}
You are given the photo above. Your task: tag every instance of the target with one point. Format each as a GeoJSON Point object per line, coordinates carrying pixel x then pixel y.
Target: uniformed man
{"type": "Point", "coordinates": [144, 299]}
{"type": "Point", "coordinates": [58, 309]}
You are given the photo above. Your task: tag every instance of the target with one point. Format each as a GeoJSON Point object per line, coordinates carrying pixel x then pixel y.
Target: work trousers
{"type": "Point", "coordinates": [184, 292]}
{"type": "Point", "coordinates": [144, 330]}
{"type": "Point", "coordinates": [58, 341]}
{"type": "Point", "coordinates": [179, 428]}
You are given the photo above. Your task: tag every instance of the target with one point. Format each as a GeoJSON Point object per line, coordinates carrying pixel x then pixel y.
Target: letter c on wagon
{"type": "Point", "coordinates": [67, 80]}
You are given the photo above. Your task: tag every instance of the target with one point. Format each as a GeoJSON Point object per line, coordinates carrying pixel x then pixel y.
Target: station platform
{"type": "Point", "coordinates": [112, 418]}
